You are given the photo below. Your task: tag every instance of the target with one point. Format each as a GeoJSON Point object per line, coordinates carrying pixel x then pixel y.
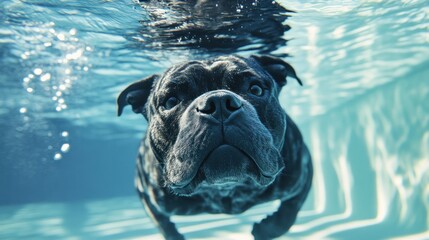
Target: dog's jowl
{"type": "Point", "coordinates": [218, 141]}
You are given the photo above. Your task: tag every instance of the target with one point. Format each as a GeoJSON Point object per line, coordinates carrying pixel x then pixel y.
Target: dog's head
{"type": "Point", "coordinates": [215, 123]}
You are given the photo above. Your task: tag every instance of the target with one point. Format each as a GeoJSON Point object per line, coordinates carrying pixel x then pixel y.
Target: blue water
{"type": "Point", "coordinates": [67, 161]}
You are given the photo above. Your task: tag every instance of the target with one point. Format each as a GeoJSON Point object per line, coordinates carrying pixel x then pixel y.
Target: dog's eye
{"type": "Point", "coordinates": [171, 103]}
{"type": "Point", "coordinates": [256, 90]}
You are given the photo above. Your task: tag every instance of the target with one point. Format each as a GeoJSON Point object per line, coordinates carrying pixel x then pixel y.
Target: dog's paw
{"type": "Point", "coordinates": [261, 231]}
{"type": "Point", "coordinates": [272, 226]}
{"type": "Point", "coordinates": [178, 237]}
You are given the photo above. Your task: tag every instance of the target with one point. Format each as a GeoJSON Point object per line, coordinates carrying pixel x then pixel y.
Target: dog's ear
{"type": "Point", "coordinates": [277, 68]}
{"type": "Point", "coordinates": [136, 95]}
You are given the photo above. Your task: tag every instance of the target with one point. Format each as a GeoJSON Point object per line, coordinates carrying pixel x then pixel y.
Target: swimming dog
{"type": "Point", "coordinates": [218, 141]}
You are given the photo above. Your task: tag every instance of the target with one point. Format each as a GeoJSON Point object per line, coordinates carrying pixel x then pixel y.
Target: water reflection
{"type": "Point", "coordinates": [346, 48]}
{"type": "Point", "coordinates": [371, 178]}
{"type": "Point", "coordinates": [217, 26]}
{"type": "Point", "coordinates": [118, 218]}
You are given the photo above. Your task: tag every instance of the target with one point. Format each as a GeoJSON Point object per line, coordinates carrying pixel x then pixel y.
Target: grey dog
{"type": "Point", "coordinates": [218, 141]}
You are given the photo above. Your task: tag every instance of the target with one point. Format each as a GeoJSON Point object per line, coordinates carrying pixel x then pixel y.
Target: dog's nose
{"type": "Point", "coordinates": [220, 105]}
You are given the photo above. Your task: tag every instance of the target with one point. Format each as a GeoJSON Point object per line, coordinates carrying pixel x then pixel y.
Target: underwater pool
{"type": "Point", "coordinates": [67, 162]}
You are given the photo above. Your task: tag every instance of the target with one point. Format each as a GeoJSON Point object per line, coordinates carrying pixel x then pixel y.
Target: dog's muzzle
{"type": "Point", "coordinates": [228, 164]}
{"type": "Point", "coordinates": [219, 106]}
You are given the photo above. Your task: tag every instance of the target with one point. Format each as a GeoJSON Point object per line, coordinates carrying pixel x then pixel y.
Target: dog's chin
{"type": "Point", "coordinates": [224, 169]}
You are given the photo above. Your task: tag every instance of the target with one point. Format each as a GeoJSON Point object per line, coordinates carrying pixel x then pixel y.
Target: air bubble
{"type": "Point", "coordinates": [45, 77]}
{"type": "Point", "coordinates": [65, 134]}
{"type": "Point", "coordinates": [38, 71]}
{"type": "Point", "coordinates": [65, 147]}
{"type": "Point", "coordinates": [61, 37]}
{"type": "Point", "coordinates": [57, 156]}
{"type": "Point", "coordinates": [73, 31]}
{"type": "Point", "coordinates": [23, 110]}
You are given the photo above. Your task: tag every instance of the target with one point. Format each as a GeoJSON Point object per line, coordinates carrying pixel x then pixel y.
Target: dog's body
{"type": "Point", "coordinates": [219, 142]}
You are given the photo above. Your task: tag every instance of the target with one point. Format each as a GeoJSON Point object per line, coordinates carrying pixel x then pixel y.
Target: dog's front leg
{"type": "Point", "coordinates": [167, 228]}
{"type": "Point", "coordinates": [279, 222]}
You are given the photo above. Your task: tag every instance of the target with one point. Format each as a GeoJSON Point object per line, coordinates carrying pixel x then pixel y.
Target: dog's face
{"type": "Point", "coordinates": [214, 124]}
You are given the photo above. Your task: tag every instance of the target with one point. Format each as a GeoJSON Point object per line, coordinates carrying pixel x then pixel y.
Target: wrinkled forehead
{"type": "Point", "coordinates": [215, 72]}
